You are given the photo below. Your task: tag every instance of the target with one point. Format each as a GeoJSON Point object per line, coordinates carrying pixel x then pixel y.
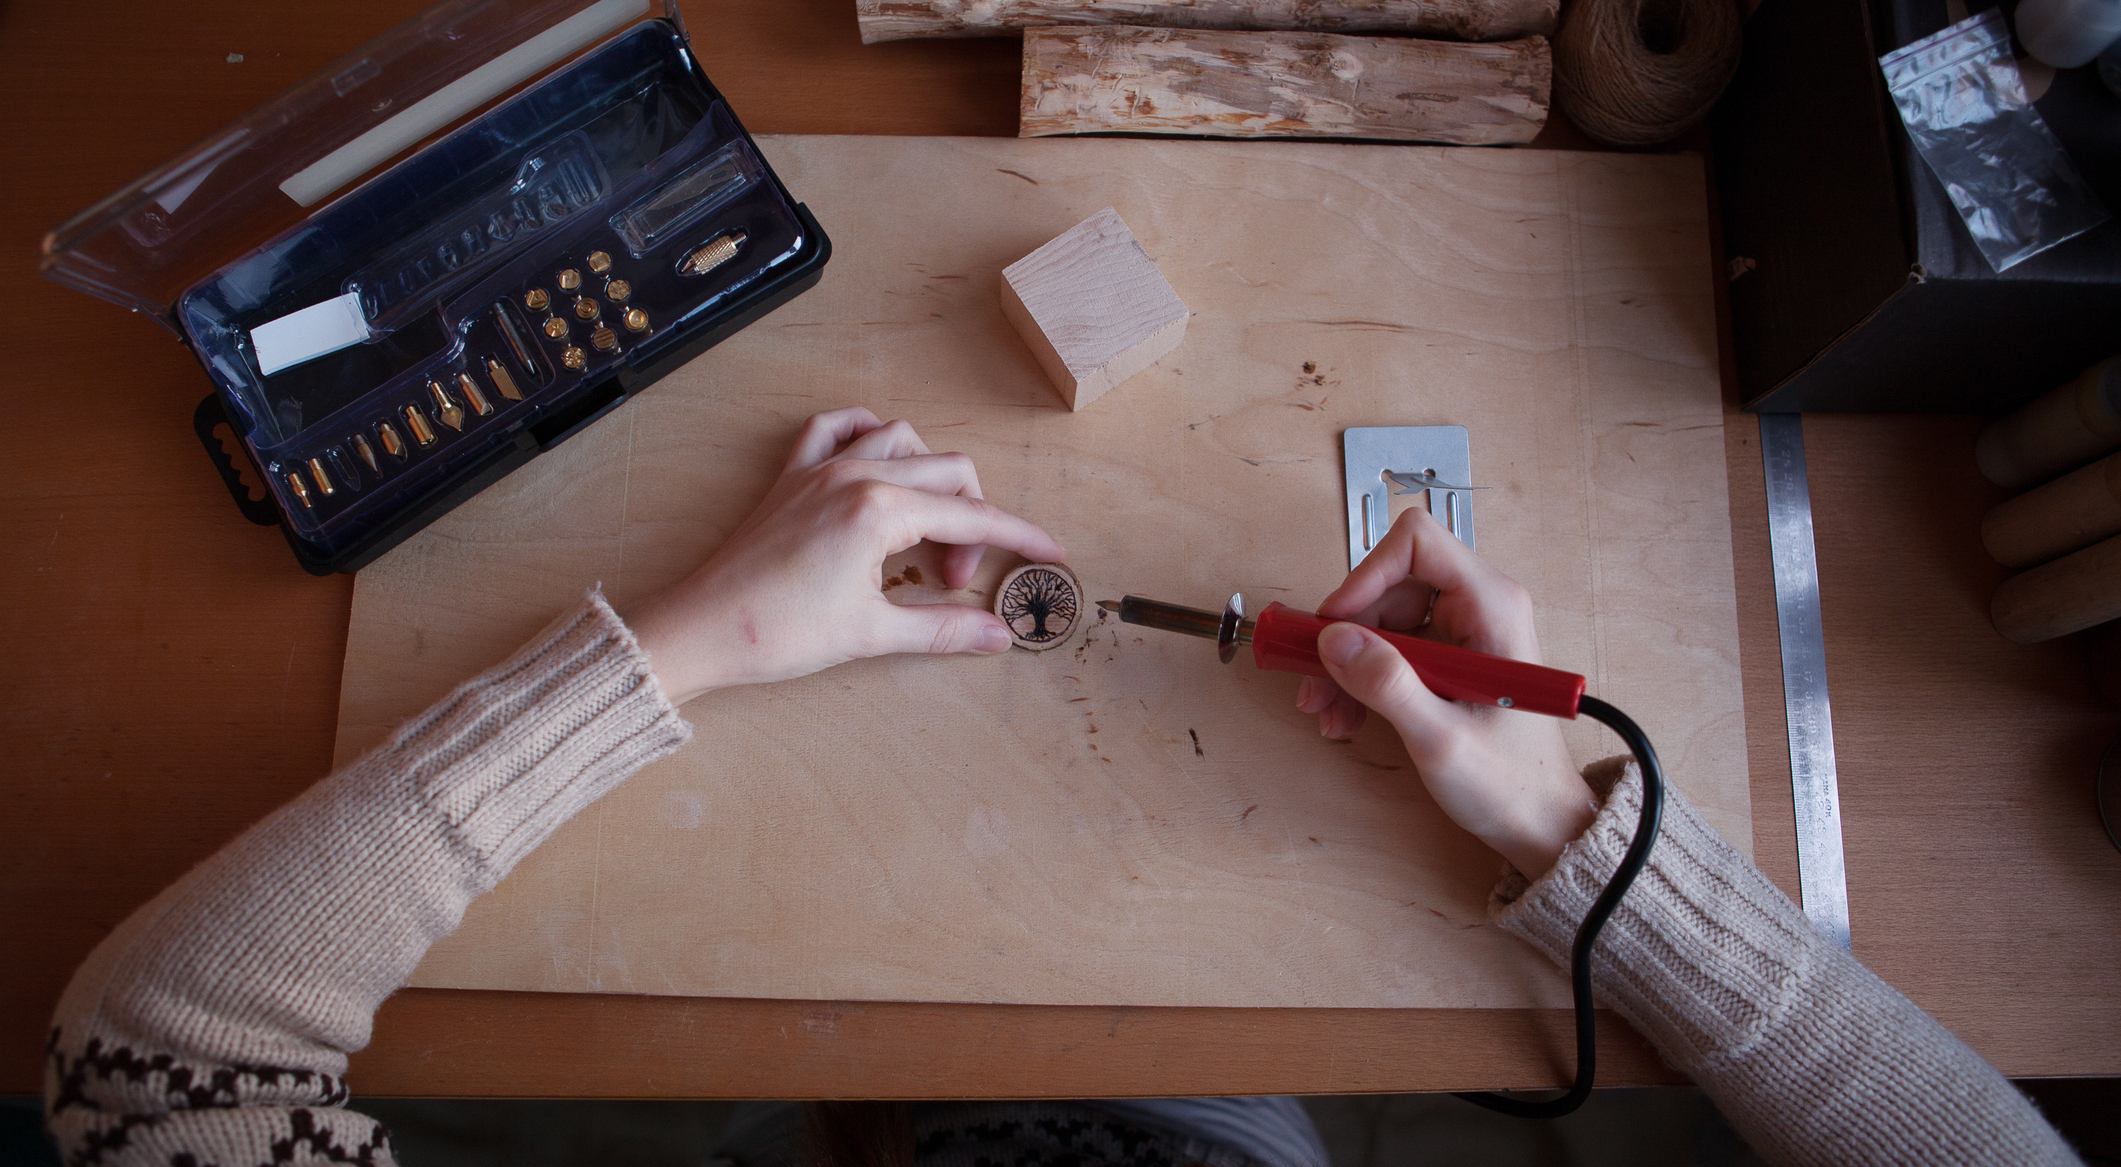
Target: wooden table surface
{"type": "Point", "coordinates": [168, 675]}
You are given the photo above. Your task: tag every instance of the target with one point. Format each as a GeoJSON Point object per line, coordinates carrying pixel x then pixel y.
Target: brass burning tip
{"type": "Point", "coordinates": [555, 327]}
{"type": "Point", "coordinates": [636, 320]}
{"type": "Point", "coordinates": [300, 486]}
{"type": "Point", "coordinates": [502, 381]}
{"type": "Point", "coordinates": [569, 280]}
{"type": "Point", "coordinates": [417, 422]}
{"type": "Point", "coordinates": [446, 408]}
{"type": "Point", "coordinates": [617, 291]}
{"type": "Point", "coordinates": [587, 308]}
{"type": "Point", "coordinates": [469, 387]}
{"type": "Point", "coordinates": [536, 300]}
{"type": "Point", "coordinates": [604, 338]}
{"type": "Point", "coordinates": [393, 445]}
{"type": "Point", "coordinates": [367, 453]}
{"type": "Point", "coordinates": [573, 357]}
{"type": "Point", "coordinates": [718, 251]}
{"type": "Point", "coordinates": [600, 261]}
{"type": "Point", "coordinates": [316, 471]}
{"type": "Point", "coordinates": [1109, 605]}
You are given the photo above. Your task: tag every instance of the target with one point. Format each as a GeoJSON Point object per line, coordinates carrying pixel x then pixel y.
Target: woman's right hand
{"type": "Point", "coordinates": [1503, 775]}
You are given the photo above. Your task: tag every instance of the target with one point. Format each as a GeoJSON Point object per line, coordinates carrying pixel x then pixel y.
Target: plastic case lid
{"type": "Point", "coordinates": [143, 246]}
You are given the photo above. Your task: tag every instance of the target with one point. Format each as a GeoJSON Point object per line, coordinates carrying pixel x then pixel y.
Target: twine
{"type": "Point", "coordinates": [1634, 72]}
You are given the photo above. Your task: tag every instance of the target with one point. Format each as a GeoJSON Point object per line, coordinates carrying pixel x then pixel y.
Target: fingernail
{"type": "Point", "coordinates": [1303, 692]}
{"type": "Point", "coordinates": [1340, 643]}
{"type": "Point", "coordinates": [993, 638]}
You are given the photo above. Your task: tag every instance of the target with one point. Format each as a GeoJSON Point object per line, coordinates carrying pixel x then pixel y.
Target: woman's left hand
{"type": "Point", "coordinates": [799, 586]}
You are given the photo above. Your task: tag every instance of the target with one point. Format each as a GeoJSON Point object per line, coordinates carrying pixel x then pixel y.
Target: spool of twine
{"type": "Point", "coordinates": [1634, 72]}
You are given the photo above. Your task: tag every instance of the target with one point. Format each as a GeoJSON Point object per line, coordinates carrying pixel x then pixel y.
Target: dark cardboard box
{"type": "Point", "coordinates": [1866, 293]}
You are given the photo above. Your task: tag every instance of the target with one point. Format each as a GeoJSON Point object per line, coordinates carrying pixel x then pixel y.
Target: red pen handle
{"type": "Point", "coordinates": [1286, 640]}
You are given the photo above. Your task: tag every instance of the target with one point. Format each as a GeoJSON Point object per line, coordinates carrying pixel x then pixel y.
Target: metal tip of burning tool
{"type": "Point", "coordinates": [1109, 605]}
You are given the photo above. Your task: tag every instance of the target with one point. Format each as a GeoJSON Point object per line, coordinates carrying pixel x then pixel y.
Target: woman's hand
{"type": "Point", "coordinates": [799, 586]}
{"type": "Point", "coordinates": [1504, 775]}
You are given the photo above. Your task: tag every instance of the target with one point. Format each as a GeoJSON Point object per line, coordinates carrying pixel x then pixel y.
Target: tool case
{"type": "Point", "coordinates": [410, 329]}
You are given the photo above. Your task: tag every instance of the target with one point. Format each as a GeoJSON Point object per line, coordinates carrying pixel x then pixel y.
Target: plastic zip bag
{"type": "Point", "coordinates": [1964, 103]}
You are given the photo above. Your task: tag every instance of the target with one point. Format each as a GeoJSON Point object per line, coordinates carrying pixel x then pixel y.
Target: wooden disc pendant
{"type": "Point", "coordinates": [1041, 603]}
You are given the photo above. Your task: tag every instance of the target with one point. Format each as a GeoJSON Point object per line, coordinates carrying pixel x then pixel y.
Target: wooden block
{"type": "Point", "coordinates": [1283, 85]}
{"type": "Point", "coordinates": [2055, 599]}
{"type": "Point", "coordinates": [1472, 20]}
{"type": "Point", "coordinates": [2057, 431]}
{"type": "Point", "coordinates": [2072, 512]}
{"type": "Point", "coordinates": [1093, 308]}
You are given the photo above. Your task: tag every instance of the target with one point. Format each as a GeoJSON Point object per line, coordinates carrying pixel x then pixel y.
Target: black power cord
{"type": "Point", "coordinates": [1631, 865]}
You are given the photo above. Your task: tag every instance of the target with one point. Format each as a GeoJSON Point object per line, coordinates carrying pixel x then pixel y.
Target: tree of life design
{"type": "Point", "coordinates": [1040, 605]}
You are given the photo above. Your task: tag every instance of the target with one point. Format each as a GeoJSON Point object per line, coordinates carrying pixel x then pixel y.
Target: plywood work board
{"type": "Point", "coordinates": [1124, 821]}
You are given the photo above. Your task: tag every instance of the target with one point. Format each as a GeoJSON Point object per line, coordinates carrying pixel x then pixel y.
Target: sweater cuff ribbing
{"type": "Point", "coordinates": [1702, 948]}
{"type": "Point", "coordinates": [516, 751]}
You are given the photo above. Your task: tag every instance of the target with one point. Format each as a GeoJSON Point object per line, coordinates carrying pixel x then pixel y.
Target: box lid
{"type": "Point", "coordinates": [143, 246]}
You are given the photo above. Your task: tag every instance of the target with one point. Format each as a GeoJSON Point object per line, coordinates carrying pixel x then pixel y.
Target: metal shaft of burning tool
{"type": "Point", "coordinates": [1170, 617]}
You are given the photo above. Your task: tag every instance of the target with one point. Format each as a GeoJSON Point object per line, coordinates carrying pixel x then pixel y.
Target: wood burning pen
{"type": "Point", "coordinates": [1286, 640]}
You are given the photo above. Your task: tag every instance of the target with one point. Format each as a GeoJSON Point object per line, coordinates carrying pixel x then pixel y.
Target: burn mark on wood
{"type": "Point", "coordinates": [1197, 751]}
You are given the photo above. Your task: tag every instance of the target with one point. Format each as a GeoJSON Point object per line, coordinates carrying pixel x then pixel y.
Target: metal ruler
{"type": "Point", "coordinates": [1821, 878]}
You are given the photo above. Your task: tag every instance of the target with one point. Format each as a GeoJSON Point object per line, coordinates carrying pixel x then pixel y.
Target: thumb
{"type": "Point", "coordinates": [942, 628]}
{"type": "Point", "coordinates": [1372, 671]}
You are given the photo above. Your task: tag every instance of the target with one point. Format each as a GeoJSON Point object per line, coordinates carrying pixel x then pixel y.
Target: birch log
{"type": "Point", "coordinates": [1473, 20]}
{"type": "Point", "coordinates": [1282, 85]}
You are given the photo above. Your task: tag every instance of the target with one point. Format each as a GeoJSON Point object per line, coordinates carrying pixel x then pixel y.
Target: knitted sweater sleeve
{"type": "Point", "coordinates": [1812, 1057]}
{"type": "Point", "coordinates": [213, 1025]}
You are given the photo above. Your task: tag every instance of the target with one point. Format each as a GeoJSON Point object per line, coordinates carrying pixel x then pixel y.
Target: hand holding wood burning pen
{"type": "Point", "coordinates": [1456, 683]}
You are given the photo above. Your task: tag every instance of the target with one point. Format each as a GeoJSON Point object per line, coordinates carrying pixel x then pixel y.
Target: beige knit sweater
{"type": "Point", "coordinates": [213, 1026]}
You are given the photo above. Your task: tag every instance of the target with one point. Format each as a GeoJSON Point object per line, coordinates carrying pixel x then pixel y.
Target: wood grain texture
{"type": "Point", "coordinates": [167, 675]}
{"type": "Point", "coordinates": [1126, 822]}
{"type": "Point", "coordinates": [1973, 845]}
{"type": "Point", "coordinates": [1283, 85]}
{"type": "Point", "coordinates": [1473, 20]}
{"type": "Point", "coordinates": [1092, 308]}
